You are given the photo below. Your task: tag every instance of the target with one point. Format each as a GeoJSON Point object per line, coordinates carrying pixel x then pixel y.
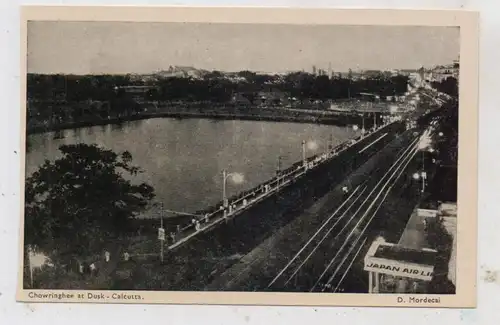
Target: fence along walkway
{"type": "Point", "coordinates": [240, 203]}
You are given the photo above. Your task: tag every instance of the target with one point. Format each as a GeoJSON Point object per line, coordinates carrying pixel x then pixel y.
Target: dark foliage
{"type": "Point", "coordinates": [439, 238]}
{"type": "Point", "coordinates": [448, 86]}
{"type": "Point", "coordinates": [213, 86]}
{"type": "Point", "coordinates": [76, 203]}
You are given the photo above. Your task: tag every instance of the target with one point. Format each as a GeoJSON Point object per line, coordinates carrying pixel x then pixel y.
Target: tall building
{"type": "Point", "coordinates": [314, 70]}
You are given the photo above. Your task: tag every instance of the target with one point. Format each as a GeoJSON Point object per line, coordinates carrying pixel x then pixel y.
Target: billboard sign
{"type": "Point", "coordinates": [399, 268]}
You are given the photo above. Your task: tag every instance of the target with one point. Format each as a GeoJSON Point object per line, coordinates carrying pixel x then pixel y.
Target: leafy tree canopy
{"type": "Point", "coordinates": [79, 201]}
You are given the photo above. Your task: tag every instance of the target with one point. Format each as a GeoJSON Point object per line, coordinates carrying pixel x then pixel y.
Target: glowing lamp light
{"type": "Point", "coordinates": [425, 142]}
{"type": "Point", "coordinates": [416, 176]}
{"type": "Point", "coordinates": [37, 260]}
{"type": "Point", "coordinates": [440, 134]}
{"type": "Point", "coordinates": [312, 145]}
{"type": "Point", "coordinates": [355, 127]}
{"type": "Point", "coordinates": [237, 178]}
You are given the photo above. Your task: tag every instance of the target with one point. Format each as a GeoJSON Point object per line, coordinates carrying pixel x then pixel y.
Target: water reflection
{"type": "Point", "coordinates": [183, 159]}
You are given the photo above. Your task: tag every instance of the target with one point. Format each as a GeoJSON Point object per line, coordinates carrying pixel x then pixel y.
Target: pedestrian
{"type": "Point", "coordinates": [93, 269]}
{"type": "Point", "coordinates": [126, 256]}
{"type": "Point", "coordinates": [86, 268]}
{"type": "Point", "coordinates": [197, 226]}
{"type": "Point", "coordinates": [107, 256]}
{"type": "Point", "coordinates": [415, 287]}
{"type": "Point", "coordinates": [402, 285]}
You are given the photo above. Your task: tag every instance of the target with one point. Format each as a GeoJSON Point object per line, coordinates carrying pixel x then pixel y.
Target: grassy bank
{"type": "Point", "coordinates": [148, 111]}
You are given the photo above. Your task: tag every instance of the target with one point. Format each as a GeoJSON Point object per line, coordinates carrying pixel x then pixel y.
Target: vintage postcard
{"type": "Point", "coordinates": [249, 156]}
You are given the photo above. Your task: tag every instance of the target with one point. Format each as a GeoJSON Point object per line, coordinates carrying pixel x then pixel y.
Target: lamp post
{"type": "Point", "coordinates": [161, 232]}
{"type": "Point", "coordinates": [423, 176]}
{"type": "Point", "coordinates": [30, 257]}
{"type": "Point", "coordinates": [304, 152]}
{"type": "Point", "coordinates": [278, 172]}
{"type": "Point", "coordinates": [311, 145]}
{"type": "Point", "coordinates": [329, 144]}
{"type": "Point", "coordinates": [225, 176]}
{"type": "Point", "coordinates": [363, 126]}
{"type": "Point", "coordinates": [35, 261]}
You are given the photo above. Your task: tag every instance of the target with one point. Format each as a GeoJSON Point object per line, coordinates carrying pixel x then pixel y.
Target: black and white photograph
{"type": "Point", "coordinates": [241, 157]}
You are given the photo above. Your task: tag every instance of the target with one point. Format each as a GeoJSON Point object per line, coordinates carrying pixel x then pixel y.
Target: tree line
{"type": "Point", "coordinates": [213, 86]}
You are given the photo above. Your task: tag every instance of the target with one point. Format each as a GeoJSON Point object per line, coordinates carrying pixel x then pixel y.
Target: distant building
{"type": "Point", "coordinates": [136, 92]}
{"type": "Point", "coordinates": [271, 98]}
{"type": "Point", "coordinates": [240, 99]}
{"type": "Point", "coordinates": [181, 72]}
{"type": "Point", "coordinates": [371, 73]}
{"type": "Point", "coordinates": [442, 72]}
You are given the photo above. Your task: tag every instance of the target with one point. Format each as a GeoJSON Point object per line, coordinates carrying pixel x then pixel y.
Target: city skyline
{"type": "Point", "coordinates": [114, 47]}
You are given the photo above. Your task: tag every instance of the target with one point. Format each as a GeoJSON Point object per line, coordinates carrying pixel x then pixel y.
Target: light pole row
{"type": "Point", "coordinates": [238, 178]}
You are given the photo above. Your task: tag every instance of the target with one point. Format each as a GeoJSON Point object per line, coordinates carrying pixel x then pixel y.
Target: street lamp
{"type": "Point", "coordinates": [363, 125]}
{"type": "Point", "coordinates": [329, 144]}
{"type": "Point", "coordinates": [237, 178]}
{"type": "Point", "coordinates": [423, 176]}
{"type": "Point", "coordinates": [161, 229]}
{"type": "Point", "coordinates": [311, 145]}
{"type": "Point", "coordinates": [278, 171]}
{"type": "Point", "coordinates": [278, 167]}
{"type": "Point", "coordinates": [36, 261]}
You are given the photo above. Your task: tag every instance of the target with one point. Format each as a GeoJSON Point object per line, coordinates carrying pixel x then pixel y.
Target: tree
{"type": "Point", "coordinates": [79, 201]}
{"type": "Point", "coordinates": [349, 74]}
{"type": "Point", "coordinates": [448, 86]}
{"type": "Point", "coordinates": [322, 87]}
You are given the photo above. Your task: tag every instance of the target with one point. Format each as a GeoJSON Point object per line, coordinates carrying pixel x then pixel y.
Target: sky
{"type": "Point", "coordinates": [137, 47]}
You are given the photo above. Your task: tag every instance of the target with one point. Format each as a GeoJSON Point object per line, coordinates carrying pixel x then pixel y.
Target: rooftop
{"type": "Point", "coordinates": [403, 254]}
{"type": "Point", "coordinates": [413, 236]}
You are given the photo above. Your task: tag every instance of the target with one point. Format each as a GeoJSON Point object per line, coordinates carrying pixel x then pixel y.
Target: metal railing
{"type": "Point", "coordinates": [241, 202]}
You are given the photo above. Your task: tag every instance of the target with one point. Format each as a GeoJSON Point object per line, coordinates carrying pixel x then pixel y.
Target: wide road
{"type": "Point", "coordinates": [316, 250]}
